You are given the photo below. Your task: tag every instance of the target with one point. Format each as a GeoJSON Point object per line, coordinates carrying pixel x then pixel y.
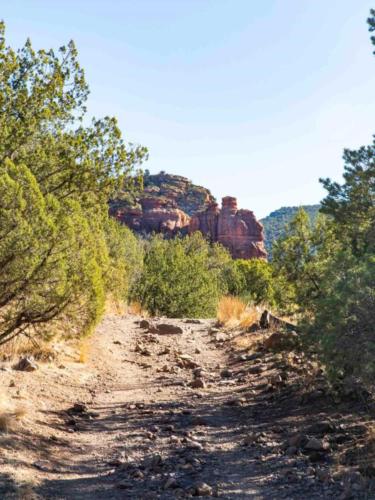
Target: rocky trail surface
{"type": "Point", "coordinates": [177, 409]}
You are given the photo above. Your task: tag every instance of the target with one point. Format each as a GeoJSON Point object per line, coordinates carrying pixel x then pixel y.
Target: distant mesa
{"type": "Point", "coordinates": [172, 205]}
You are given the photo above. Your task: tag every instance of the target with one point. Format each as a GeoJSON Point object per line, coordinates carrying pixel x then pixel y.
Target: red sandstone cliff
{"type": "Point", "coordinates": [237, 230]}
{"type": "Point", "coordinates": [155, 215]}
{"type": "Point", "coordinates": [172, 204]}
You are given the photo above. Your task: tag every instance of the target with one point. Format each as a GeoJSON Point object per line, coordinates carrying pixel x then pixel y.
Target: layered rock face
{"type": "Point", "coordinates": [165, 205]}
{"type": "Point", "coordinates": [237, 230]}
{"type": "Point", "coordinates": [172, 204]}
{"type": "Point", "coordinates": [155, 215]}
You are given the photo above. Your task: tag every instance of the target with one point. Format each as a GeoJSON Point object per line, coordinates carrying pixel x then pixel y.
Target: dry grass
{"type": "Point", "coordinates": [137, 309]}
{"type": "Point", "coordinates": [9, 415]}
{"type": "Point", "coordinates": [115, 306]}
{"type": "Point", "coordinates": [83, 351]}
{"type": "Point", "coordinates": [233, 312]}
{"type": "Point", "coordinates": [22, 346]}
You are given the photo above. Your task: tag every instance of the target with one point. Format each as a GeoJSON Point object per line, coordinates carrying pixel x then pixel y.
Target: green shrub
{"type": "Point", "coordinates": [126, 259]}
{"type": "Point", "coordinates": [343, 325]}
{"type": "Point", "coordinates": [253, 280]}
{"type": "Point", "coordinates": [182, 277]}
{"type": "Point", "coordinates": [50, 260]}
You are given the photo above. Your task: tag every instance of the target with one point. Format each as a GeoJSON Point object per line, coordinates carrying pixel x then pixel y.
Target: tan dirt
{"type": "Point", "coordinates": [144, 433]}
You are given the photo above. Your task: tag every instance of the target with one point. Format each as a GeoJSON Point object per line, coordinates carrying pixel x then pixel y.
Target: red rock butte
{"type": "Point", "coordinates": [237, 230]}
{"type": "Point", "coordinates": [171, 204]}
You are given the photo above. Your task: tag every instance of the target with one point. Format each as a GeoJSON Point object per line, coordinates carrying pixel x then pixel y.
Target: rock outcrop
{"type": "Point", "coordinates": [154, 215]}
{"type": "Point", "coordinates": [171, 204]}
{"type": "Point", "coordinates": [237, 230]}
{"type": "Point", "coordinates": [165, 205]}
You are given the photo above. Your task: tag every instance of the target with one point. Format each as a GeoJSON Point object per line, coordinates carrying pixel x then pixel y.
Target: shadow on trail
{"type": "Point", "coordinates": [158, 441]}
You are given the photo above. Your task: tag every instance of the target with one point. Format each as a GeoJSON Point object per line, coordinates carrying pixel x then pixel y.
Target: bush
{"type": "Point", "coordinates": [182, 277]}
{"type": "Point", "coordinates": [344, 319]}
{"type": "Point", "coordinates": [50, 260]}
{"type": "Point", "coordinates": [252, 280]}
{"type": "Point", "coordinates": [126, 260]}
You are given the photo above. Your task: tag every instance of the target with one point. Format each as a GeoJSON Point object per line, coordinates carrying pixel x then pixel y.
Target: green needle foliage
{"type": "Point", "coordinates": [60, 255]}
{"type": "Point", "coordinates": [182, 277]}
{"type": "Point", "coordinates": [330, 268]}
{"type": "Point", "coordinates": [253, 280]}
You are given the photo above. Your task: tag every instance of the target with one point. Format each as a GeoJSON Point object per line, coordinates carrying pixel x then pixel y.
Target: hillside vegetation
{"type": "Point", "coordinates": [175, 190]}
{"type": "Point", "coordinates": [61, 255]}
{"type": "Point", "coordinates": [275, 224]}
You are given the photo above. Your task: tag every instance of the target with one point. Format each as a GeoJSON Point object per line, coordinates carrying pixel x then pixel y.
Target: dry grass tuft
{"type": "Point", "coordinates": [83, 351]}
{"type": "Point", "coordinates": [22, 346]}
{"type": "Point", "coordinates": [115, 306]}
{"type": "Point", "coordinates": [233, 312]}
{"type": "Point", "coordinates": [9, 414]}
{"type": "Point", "coordinates": [137, 309]}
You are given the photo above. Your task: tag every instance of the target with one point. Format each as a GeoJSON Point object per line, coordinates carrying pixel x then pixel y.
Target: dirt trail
{"type": "Point", "coordinates": [144, 432]}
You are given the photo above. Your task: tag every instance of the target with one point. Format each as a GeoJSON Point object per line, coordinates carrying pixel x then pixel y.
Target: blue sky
{"type": "Point", "coordinates": [251, 98]}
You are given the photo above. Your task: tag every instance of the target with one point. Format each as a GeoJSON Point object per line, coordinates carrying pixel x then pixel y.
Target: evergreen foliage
{"type": "Point", "coordinates": [252, 280]}
{"type": "Point", "coordinates": [182, 276]}
{"type": "Point", "coordinates": [59, 253]}
{"type": "Point", "coordinates": [276, 222]}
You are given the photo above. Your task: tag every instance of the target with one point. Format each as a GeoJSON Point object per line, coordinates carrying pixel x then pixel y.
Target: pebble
{"type": "Point", "coordinates": [315, 444]}
{"type": "Point", "coordinates": [197, 383]}
{"type": "Point", "coordinates": [226, 373]}
{"type": "Point", "coordinates": [203, 489]}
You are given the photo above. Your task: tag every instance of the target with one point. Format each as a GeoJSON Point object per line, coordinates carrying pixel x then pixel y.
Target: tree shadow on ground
{"type": "Point", "coordinates": [157, 441]}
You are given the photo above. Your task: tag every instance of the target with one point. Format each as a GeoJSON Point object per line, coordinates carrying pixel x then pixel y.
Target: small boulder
{"type": "Point", "coordinates": [221, 337]}
{"type": "Point", "coordinates": [144, 324]}
{"type": "Point", "coordinates": [197, 383]}
{"type": "Point", "coordinates": [186, 361]}
{"type": "Point", "coordinates": [77, 409]}
{"type": "Point", "coordinates": [203, 490]}
{"type": "Point", "coordinates": [26, 364]}
{"type": "Point", "coordinates": [250, 439]}
{"type": "Point", "coordinates": [275, 341]}
{"type": "Point", "coordinates": [256, 369]}
{"type": "Point", "coordinates": [321, 428]}
{"type": "Point", "coordinates": [226, 373]}
{"type": "Point", "coordinates": [297, 440]}
{"type": "Point", "coordinates": [166, 329]}
{"type": "Point", "coordinates": [314, 444]}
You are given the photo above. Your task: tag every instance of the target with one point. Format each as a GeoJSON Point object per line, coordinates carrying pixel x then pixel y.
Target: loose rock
{"type": "Point", "coordinates": [203, 490]}
{"type": "Point", "coordinates": [166, 329]}
{"type": "Point", "coordinates": [197, 383]}
{"type": "Point", "coordinates": [26, 364]}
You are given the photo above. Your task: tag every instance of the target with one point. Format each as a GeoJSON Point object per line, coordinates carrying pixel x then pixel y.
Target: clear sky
{"type": "Point", "coordinates": [250, 98]}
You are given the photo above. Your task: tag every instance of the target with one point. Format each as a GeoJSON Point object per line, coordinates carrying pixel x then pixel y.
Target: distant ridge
{"type": "Point", "coordinates": [274, 224]}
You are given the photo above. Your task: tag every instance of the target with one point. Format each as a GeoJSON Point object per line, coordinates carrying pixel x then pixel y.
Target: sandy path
{"type": "Point", "coordinates": [145, 433]}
